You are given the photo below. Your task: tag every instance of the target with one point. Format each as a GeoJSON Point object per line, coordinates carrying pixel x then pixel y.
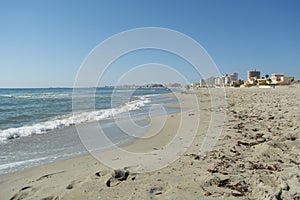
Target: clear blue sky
{"type": "Point", "coordinates": [43, 43]}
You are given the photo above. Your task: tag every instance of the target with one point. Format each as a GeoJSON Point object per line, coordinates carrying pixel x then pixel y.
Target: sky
{"type": "Point", "coordinates": [44, 43]}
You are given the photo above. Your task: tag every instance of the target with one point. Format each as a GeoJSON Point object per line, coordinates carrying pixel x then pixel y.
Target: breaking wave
{"type": "Point", "coordinates": [72, 119]}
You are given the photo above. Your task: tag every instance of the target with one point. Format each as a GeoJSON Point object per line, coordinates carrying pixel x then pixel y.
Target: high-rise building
{"type": "Point", "coordinates": [227, 80]}
{"type": "Point", "coordinates": [210, 82]}
{"type": "Point", "coordinates": [202, 83]}
{"type": "Point", "coordinates": [234, 76]}
{"type": "Point", "coordinates": [253, 75]}
{"type": "Point", "coordinates": [219, 82]}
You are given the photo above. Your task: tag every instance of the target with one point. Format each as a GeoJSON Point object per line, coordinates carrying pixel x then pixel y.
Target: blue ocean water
{"type": "Point", "coordinates": [37, 125]}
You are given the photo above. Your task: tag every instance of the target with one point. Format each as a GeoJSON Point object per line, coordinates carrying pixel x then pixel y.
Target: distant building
{"type": "Point", "coordinates": [194, 85]}
{"type": "Point", "coordinates": [210, 82]}
{"type": "Point", "coordinates": [202, 83]}
{"type": "Point", "coordinates": [281, 79]}
{"type": "Point", "coordinates": [173, 85]}
{"type": "Point", "coordinates": [234, 77]}
{"type": "Point", "coordinates": [225, 80]}
{"type": "Point", "coordinates": [219, 82]}
{"type": "Point", "coordinates": [277, 78]}
{"type": "Point", "coordinates": [253, 76]}
{"type": "Point", "coordinates": [261, 81]}
{"type": "Point", "coordinates": [288, 80]}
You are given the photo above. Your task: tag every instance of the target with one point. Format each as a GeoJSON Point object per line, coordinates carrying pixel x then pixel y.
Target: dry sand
{"type": "Point", "coordinates": [256, 157]}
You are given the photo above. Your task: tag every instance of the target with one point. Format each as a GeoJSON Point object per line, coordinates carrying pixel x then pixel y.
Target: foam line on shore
{"type": "Point", "coordinates": [72, 119]}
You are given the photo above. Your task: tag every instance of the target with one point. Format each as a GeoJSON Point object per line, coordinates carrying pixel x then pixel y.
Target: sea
{"type": "Point", "coordinates": [38, 126]}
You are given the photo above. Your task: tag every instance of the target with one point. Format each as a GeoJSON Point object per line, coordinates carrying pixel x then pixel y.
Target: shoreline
{"type": "Point", "coordinates": [19, 154]}
{"type": "Point", "coordinates": [256, 157]}
{"type": "Point", "coordinates": [10, 182]}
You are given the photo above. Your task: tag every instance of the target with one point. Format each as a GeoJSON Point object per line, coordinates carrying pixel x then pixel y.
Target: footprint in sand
{"type": "Point", "coordinates": [72, 184]}
{"type": "Point", "coordinates": [156, 190]}
{"type": "Point", "coordinates": [48, 175]}
{"type": "Point", "coordinates": [23, 193]}
{"type": "Point", "coordinates": [27, 191]}
{"type": "Point", "coordinates": [159, 188]}
{"type": "Point", "coordinates": [117, 177]}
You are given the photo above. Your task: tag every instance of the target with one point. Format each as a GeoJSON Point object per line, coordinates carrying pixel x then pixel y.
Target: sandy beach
{"type": "Point", "coordinates": [256, 156]}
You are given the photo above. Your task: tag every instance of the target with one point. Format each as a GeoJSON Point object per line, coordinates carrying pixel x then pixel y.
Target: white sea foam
{"type": "Point", "coordinates": [6, 95]}
{"type": "Point", "coordinates": [42, 96]}
{"type": "Point", "coordinates": [68, 120]}
{"type": "Point", "coordinates": [37, 96]}
{"type": "Point", "coordinates": [18, 163]}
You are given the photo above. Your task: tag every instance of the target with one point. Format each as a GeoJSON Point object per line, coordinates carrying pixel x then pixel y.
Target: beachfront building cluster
{"type": "Point", "coordinates": [224, 81]}
{"type": "Point", "coordinates": [254, 78]}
